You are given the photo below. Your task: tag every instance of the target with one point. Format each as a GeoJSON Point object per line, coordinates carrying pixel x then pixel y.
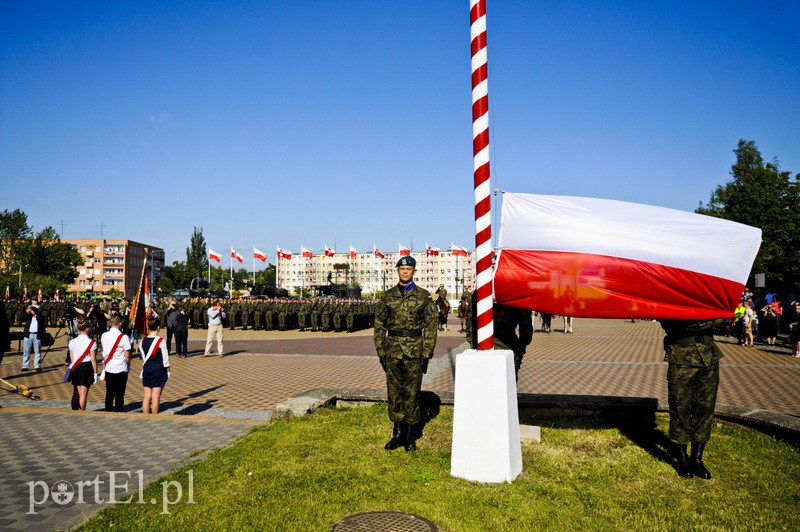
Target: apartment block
{"type": "Point", "coordinates": [374, 274]}
{"type": "Point", "coordinates": [115, 264]}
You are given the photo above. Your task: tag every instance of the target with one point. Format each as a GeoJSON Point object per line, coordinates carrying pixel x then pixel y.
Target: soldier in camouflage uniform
{"type": "Point", "coordinates": [405, 336]}
{"type": "Point", "coordinates": [507, 320]}
{"type": "Point", "coordinates": [692, 382]}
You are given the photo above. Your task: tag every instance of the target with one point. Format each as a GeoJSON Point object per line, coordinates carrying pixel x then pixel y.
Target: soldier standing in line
{"type": "Point", "coordinates": [506, 322]}
{"type": "Point", "coordinates": [405, 337]}
{"type": "Point", "coordinates": [692, 382]}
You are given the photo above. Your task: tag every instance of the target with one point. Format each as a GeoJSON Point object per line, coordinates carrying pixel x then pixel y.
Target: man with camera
{"type": "Point", "coordinates": [34, 331]}
{"type": "Point", "coordinates": [215, 316]}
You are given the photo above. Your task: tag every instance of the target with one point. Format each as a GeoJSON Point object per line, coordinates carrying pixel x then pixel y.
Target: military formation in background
{"type": "Point", "coordinates": [324, 314]}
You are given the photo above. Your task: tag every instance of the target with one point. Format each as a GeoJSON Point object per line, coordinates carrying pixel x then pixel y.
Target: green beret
{"type": "Point", "coordinates": [406, 261]}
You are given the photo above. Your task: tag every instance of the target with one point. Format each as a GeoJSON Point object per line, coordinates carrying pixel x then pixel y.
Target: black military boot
{"type": "Point", "coordinates": [683, 467]}
{"type": "Point", "coordinates": [397, 437]}
{"type": "Point", "coordinates": [696, 461]}
{"type": "Point", "coordinates": [409, 437]}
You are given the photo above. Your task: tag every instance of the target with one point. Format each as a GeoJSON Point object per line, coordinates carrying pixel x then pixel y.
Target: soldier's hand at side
{"type": "Point", "coordinates": [383, 362]}
{"type": "Point", "coordinates": [425, 362]}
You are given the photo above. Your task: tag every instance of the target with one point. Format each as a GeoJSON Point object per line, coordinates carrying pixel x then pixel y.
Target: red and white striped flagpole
{"type": "Point", "coordinates": [480, 161]}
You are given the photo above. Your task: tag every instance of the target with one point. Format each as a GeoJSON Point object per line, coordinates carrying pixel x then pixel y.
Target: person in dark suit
{"type": "Point", "coordinates": [5, 334]}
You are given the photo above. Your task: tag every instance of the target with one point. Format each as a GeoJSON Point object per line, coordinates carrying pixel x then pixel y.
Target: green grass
{"type": "Point", "coordinates": [305, 474]}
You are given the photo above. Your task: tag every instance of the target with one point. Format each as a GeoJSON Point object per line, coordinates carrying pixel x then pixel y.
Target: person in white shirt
{"type": "Point", "coordinates": [116, 365]}
{"type": "Point", "coordinates": [83, 365]}
{"type": "Point", "coordinates": [34, 330]}
{"type": "Point", "coordinates": [215, 316]}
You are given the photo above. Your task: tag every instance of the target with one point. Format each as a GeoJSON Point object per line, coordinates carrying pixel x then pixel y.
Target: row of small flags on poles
{"type": "Point", "coordinates": [281, 253]}
{"type": "Point", "coordinates": [39, 296]}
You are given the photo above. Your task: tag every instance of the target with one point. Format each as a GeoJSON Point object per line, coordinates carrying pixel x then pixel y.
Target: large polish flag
{"type": "Point", "coordinates": [283, 254]}
{"type": "Point", "coordinates": [329, 252]}
{"type": "Point", "coordinates": [352, 252]}
{"type": "Point", "coordinates": [404, 251]}
{"type": "Point", "coordinates": [601, 258]}
{"type": "Point", "coordinates": [305, 252]}
{"type": "Point", "coordinates": [213, 255]}
{"type": "Point", "coordinates": [235, 255]}
{"type": "Point", "coordinates": [258, 254]}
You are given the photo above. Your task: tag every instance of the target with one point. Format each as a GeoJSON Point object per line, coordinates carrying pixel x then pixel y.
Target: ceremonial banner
{"type": "Point", "coordinates": [599, 258]}
{"type": "Point", "coordinates": [213, 255]}
{"type": "Point", "coordinates": [258, 254]}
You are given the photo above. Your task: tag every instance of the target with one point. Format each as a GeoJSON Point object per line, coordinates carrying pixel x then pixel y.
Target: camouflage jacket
{"type": "Point", "coordinates": [412, 311]}
{"type": "Point", "coordinates": [690, 343]}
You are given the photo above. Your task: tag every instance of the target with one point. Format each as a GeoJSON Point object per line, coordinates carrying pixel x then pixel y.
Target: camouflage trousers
{"type": "Point", "coordinates": [403, 384]}
{"type": "Point", "coordinates": [692, 392]}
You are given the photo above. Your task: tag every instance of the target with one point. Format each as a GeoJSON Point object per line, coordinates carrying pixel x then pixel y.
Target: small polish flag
{"type": "Point", "coordinates": [25, 293]}
{"type": "Point", "coordinates": [431, 252]}
{"type": "Point", "coordinates": [458, 251]}
{"type": "Point", "coordinates": [352, 252]}
{"type": "Point", "coordinates": [258, 254]}
{"type": "Point", "coordinates": [283, 254]}
{"type": "Point", "coordinates": [377, 252]}
{"type": "Point", "coordinates": [7, 296]}
{"type": "Point", "coordinates": [329, 252]}
{"type": "Point", "coordinates": [236, 256]}
{"type": "Point", "coordinates": [213, 255]}
{"type": "Point", "coordinates": [39, 297]}
{"type": "Point", "coordinates": [598, 258]}
{"type": "Point", "coordinates": [305, 252]}
{"type": "Point", "coordinates": [57, 297]}
{"type": "Point", "coordinates": [404, 251]}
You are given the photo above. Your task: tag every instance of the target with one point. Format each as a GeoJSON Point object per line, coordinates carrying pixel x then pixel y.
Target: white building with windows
{"type": "Point", "coordinates": [374, 274]}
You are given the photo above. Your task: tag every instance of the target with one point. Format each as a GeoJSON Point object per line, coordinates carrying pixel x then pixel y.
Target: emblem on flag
{"type": "Point", "coordinates": [283, 254]}
{"type": "Point", "coordinates": [377, 252]}
{"type": "Point", "coordinates": [431, 252]}
{"type": "Point", "coordinates": [329, 252]}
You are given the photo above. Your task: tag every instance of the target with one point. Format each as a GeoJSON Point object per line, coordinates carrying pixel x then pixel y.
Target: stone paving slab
{"type": "Point", "coordinates": [45, 447]}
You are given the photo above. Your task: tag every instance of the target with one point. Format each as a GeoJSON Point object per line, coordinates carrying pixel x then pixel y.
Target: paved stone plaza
{"type": "Point", "coordinates": [210, 401]}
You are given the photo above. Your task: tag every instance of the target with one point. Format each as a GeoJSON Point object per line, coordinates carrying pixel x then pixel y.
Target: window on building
{"type": "Point", "coordinates": [83, 248]}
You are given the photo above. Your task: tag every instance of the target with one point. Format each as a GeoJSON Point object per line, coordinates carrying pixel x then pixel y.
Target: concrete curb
{"type": "Point", "coordinates": [545, 405]}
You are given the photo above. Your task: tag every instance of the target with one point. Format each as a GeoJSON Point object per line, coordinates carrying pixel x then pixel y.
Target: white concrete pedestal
{"type": "Point", "coordinates": [486, 438]}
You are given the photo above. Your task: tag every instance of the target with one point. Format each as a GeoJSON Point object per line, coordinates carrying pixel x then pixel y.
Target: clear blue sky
{"type": "Point", "coordinates": [287, 122]}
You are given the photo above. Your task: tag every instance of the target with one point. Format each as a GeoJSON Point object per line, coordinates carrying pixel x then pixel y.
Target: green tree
{"type": "Point", "coordinates": [196, 255]}
{"type": "Point", "coordinates": [762, 195]}
{"type": "Point", "coordinates": [14, 231]}
{"type": "Point", "coordinates": [266, 277]}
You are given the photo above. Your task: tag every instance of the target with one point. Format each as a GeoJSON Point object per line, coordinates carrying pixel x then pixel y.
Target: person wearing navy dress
{"type": "Point", "coordinates": [155, 369]}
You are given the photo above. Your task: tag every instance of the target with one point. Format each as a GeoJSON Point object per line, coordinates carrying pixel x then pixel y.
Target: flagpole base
{"type": "Point", "coordinates": [486, 435]}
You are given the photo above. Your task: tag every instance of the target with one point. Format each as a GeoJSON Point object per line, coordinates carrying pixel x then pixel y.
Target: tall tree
{"type": "Point", "coordinates": [196, 253]}
{"type": "Point", "coordinates": [14, 230]}
{"type": "Point", "coordinates": [763, 196]}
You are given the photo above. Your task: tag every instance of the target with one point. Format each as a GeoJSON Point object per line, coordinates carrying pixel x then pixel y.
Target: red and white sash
{"type": "Point", "coordinates": [145, 357]}
{"type": "Point", "coordinates": [80, 359]}
{"type": "Point", "coordinates": [110, 356]}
